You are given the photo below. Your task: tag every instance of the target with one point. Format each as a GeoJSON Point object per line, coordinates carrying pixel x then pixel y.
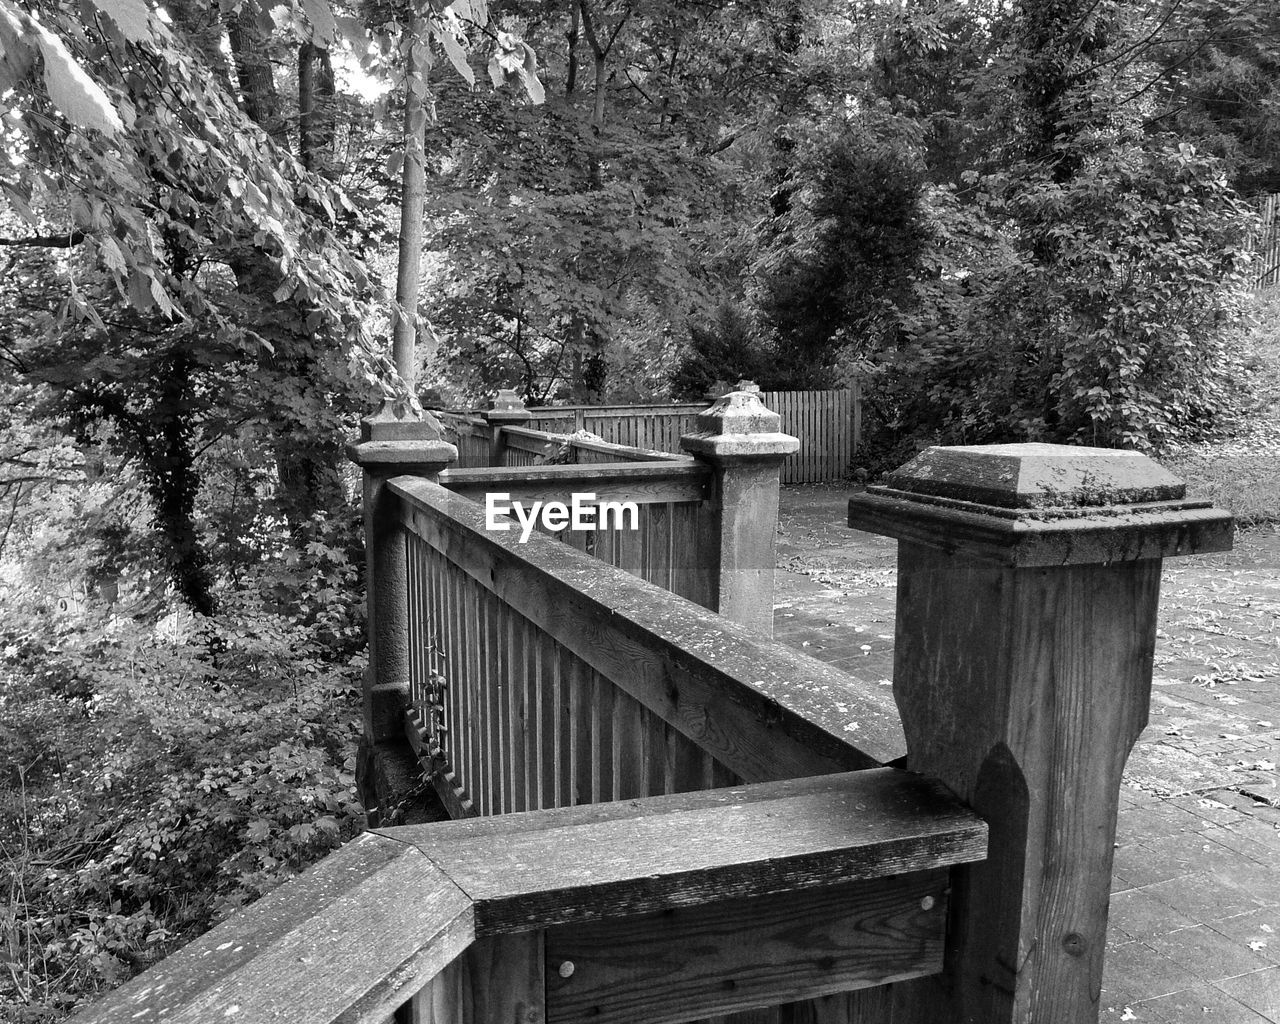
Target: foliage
{"type": "Point", "coordinates": [576, 241]}
{"type": "Point", "coordinates": [725, 350]}
{"type": "Point", "coordinates": [1121, 339]}
{"type": "Point", "coordinates": [838, 263]}
{"type": "Point", "coordinates": [159, 778]}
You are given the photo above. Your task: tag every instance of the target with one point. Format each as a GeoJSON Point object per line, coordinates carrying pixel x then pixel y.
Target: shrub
{"type": "Point", "coordinates": [1096, 311]}
{"type": "Point", "coordinates": [160, 776]}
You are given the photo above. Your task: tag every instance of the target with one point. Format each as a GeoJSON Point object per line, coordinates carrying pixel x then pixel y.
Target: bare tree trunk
{"type": "Point", "coordinates": [417, 109]}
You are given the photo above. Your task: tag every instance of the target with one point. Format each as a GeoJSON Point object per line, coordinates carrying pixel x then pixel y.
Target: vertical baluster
{"type": "Point", "coordinates": [499, 677]}
{"type": "Point", "coordinates": [601, 738]}
{"type": "Point", "coordinates": [628, 747]}
{"type": "Point", "coordinates": [580, 753]}
{"type": "Point", "coordinates": [537, 742]}
{"type": "Point", "coordinates": [548, 720]}
{"type": "Point", "coordinates": [460, 683]}
{"type": "Point", "coordinates": [655, 754]}
{"type": "Point", "coordinates": [483, 689]}
{"type": "Point", "coordinates": [474, 688]}
{"type": "Point", "coordinates": [517, 682]}
{"type": "Point", "coordinates": [496, 684]}
{"type": "Point", "coordinates": [560, 711]}
{"type": "Point", "coordinates": [683, 763]}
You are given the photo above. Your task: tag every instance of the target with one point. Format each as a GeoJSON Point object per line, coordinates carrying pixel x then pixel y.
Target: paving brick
{"type": "Point", "coordinates": [1208, 807]}
{"type": "Point", "coordinates": [1133, 971]}
{"type": "Point", "coordinates": [1257, 926]}
{"type": "Point", "coordinates": [1169, 857]}
{"type": "Point", "coordinates": [1137, 914]}
{"type": "Point", "coordinates": [1208, 954]}
{"type": "Point", "coordinates": [1199, 1003]}
{"type": "Point", "coordinates": [1201, 896]}
{"type": "Point", "coordinates": [1259, 991]}
{"type": "Point", "coordinates": [1163, 819]}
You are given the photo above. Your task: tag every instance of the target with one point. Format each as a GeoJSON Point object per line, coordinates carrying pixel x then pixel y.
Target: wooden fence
{"type": "Point", "coordinates": [1266, 244]}
{"type": "Point", "coordinates": [828, 424]}
{"type": "Point", "coordinates": [712, 825]}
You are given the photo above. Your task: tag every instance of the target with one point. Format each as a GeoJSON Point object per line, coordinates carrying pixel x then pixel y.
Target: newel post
{"type": "Point", "coordinates": [1028, 579]}
{"type": "Point", "coordinates": [389, 446]}
{"type": "Point", "coordinates": [742, 441]}
{"type": "Point", "coordinates": [505, 410]}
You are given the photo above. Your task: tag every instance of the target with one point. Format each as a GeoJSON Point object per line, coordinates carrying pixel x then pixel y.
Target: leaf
{"type": "Point", "coordinates": [456, 54]}
{"type": "Point", "coordinates": [496, 75]}
{"type": "Point", "coordinates": [470, 10]}
{"type": "Point", "coordinates": [17, 54]}
{"type": "Point", "coordinates": [324, 28]}
{"type": "Point", "coordinates": [258, 830]}
{"type": "Point", "coordinates": [528, 73]}
{"type": "Point", "coordinates": [112, 258]}
{"type": "Point", "coordinates": [353, 31]}
{"type": "Point", "coordinates": [131, 17]}
{"type": "Point", "coordinates": [78, 96]}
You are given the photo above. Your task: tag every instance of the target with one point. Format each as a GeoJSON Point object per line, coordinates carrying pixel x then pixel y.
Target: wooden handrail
{"type": "Point", "coordinates": [763, 709]}
{"type": "Point", "coordinates": [359, 934]}
{"type": "Point", "coordinates": [641, 482]}
{"type": "Point", "coordinates": [598, 447]}
{"type": "Point", "coordinates": [349, 940]}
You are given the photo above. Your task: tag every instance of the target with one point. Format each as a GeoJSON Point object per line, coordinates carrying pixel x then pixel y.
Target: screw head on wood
{"type": "Point", "coordinates": [566, 969]}
{"type": "Point", "coordinates": [927, 903]}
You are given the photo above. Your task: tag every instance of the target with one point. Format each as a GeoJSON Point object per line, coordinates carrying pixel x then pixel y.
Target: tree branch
{"type": "Point", "coordinates": [65, 241]}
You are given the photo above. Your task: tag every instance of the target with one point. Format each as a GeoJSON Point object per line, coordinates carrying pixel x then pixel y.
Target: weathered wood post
{"type": "Point", "coordinates": [389, 446]}
{"type": "Point", "coordinates": [1028, 578]}
{"type": "Point", "coordinates": [741, 440]}
{"type": "Point", "coordinates": [505, 410]}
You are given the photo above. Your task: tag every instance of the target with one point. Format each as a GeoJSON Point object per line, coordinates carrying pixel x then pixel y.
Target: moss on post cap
{"type": "Point", "coordinates": [1037, 476]}
{"type": "Point", "coordinates": [409, 444]}
{"type": "Point", "coordinates": [506, 407]}
{"type": "Point", "coordinates": [1041, 504]}
{"type": "Point", "coordinates": [739, 425]}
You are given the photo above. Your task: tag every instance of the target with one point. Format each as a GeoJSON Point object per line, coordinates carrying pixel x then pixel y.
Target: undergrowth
{"type": "Point", "coordinates": [1239, 469]}
{"type": "Point", "coordinates": [159, 776]}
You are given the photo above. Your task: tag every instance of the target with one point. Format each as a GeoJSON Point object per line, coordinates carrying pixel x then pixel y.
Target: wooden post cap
{"type": "Point", "coordinates": [411, 442]}
{"type": "Point", "coordinates": [1040, 505]}
{"type": "Point", "coordinates": [506, 407]}
{"type": "Point", "coordinates": [738, 425]}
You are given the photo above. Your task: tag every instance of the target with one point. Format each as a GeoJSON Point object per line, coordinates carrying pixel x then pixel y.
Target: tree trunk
{"type": "Point", "coordinates": [250, 51]}
{"type": "Point", "coordinates": [315, 109]}
{"type": "Point", "coordinates": [307, 460]}
{"type": "Point", "coordinates": [412, 199]}
{"type": "Point", "coordinates": [173, 483]}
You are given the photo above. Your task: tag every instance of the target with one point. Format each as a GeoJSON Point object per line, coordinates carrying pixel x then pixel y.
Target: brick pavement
{"type": "Point", "coordinates": [1194, 930]}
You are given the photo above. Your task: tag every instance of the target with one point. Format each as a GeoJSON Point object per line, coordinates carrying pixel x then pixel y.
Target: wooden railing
{"type": "Point", "coordinates": [532, 676]}
{"type": "Point", "coordinates": [839, 883]}
{"type": "Point", "coordinates": [569, 681]}
{"type": "Point", "coordinates": [525, 446]}
{"type": "Point", "coordinates": [828, 424]}
{"type": "Point", "coordinates": [673, 539]}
